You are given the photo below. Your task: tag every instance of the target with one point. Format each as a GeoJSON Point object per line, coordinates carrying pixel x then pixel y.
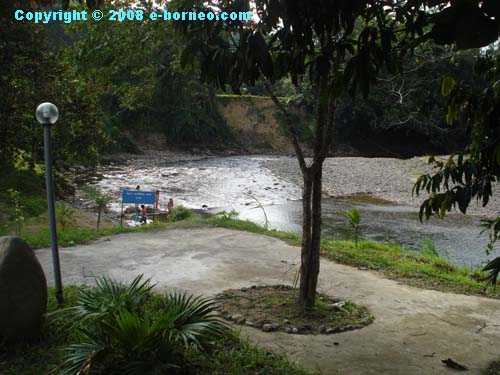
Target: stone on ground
{"type": "Point", "coordinates": [23, 292]}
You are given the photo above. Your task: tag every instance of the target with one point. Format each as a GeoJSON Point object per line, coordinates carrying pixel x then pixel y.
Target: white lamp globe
{"type": "Point", "coordinates": [47, 113]}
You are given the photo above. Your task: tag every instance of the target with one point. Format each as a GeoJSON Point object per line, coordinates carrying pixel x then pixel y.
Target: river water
{"type": "Point", "coordinates": [250, 186]}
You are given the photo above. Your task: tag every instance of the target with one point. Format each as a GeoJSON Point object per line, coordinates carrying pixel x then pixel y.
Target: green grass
{"type": "Point", "coordinates": [31, 187]}
{"type": "Point", "coordinates": [74, 236]}
{"type": "Point", "coordinates": [425, 270]}
{"type": "Point", "coordinates": [234, 356]}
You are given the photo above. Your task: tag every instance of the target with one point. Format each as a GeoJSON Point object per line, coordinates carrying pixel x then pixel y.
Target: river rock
{"type": "Point", "coordinates": [270, 327]}
{"type": "Point", "coordinates": [338, 306]}
{"type": "Point", "coordinates": [236, 317]}
{"type": "Point", "coordinates": [23, 292]}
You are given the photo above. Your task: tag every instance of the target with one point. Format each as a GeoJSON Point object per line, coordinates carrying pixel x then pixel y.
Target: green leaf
{"type": "Point", "coordinates": [447, 86]}
{"type": "Point", "coordinates": [453, 112]}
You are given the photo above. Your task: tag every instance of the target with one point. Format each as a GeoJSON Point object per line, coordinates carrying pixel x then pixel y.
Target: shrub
{"type": "Point", "coordinates": [125, 329]}
{"type": "Point", "coordinates": [65, 215]}
{"type": "Point", "coordinates": [179, 213]}
{"type": "Point", "coordinates": [100, 202]}
{"type": "Point", "coordinates": [224, 215]}
{"type": "Point", "coordinates": [15, 198]}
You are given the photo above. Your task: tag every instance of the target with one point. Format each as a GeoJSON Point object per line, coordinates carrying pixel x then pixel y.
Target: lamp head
{"type": "Point", "coordinates": [47, 114]}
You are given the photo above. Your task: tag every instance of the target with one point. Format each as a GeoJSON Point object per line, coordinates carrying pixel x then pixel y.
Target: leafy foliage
{"type": "Point", "coordinates": [470, 175]}
{"type": "Point", "coordinates": [179, 213]}
{"type": "Point", "coordinates": [142, 88]}
{"type": "Point", "coordinates": [123, 331]}
{"type": "Point", "coordinates": [100, 201]}
{"type": "Point", "coordinates": [30, 67]}
{"type": "Point", "coordinates": [467, 24]}
{"type": "Point", "coordinates": [353, 219]}
{"type": "Point", "coordinates": [65, 215]}
{"type": "Point", "coordinates": [15, 197]}
{"type": "Point", "coordinates": [224, 215]}
{"type": "Point", "coordinates": [229, 356]}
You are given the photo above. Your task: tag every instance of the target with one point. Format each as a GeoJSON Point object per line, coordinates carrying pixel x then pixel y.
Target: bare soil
{"type": "Point", "coordinates": [277, 305]}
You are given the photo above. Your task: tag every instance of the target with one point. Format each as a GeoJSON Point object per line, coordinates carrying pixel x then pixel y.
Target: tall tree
{"type": "Point", "coordinates": [31, 73]}
{"type": "Point", "coordinates": [142, 87]}
{"type": "Point", "coordinates": [337, 45]}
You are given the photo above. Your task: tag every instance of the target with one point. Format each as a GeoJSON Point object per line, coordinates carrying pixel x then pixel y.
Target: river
{"type": "Point", "coordinates": [251, 185]}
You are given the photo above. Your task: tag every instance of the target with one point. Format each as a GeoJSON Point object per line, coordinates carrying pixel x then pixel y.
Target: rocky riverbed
{"type": "Point", "coordinates": [384, 178]}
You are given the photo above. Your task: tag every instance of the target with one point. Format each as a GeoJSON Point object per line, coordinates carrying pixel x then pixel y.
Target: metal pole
{"type": "Point", "coordinates": [52, 214]}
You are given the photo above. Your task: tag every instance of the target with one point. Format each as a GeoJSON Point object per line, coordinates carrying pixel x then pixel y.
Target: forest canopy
{"type": "Point", "coordinates": [106, 90]}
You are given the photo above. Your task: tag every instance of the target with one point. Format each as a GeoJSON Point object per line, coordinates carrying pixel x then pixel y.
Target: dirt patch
{"type": "Point", "coordinates": [274, 308]}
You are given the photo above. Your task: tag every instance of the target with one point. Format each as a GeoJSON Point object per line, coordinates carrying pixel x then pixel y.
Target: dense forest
{"type": "Point", "coordinates": [111, 80]}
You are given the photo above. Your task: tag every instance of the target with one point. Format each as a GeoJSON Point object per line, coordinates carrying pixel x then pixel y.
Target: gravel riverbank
{"type": "Point", "coordinates": [385, 178]}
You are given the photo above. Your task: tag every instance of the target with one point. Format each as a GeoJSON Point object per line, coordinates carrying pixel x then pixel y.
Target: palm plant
{"type": "Point", "coordinates": [100, 202]}
{"type": "Point", "coordinates": [65, 215]}
{"type": "Point", "coordinates": [126, 329]}
{"type": "Point", "coordinates": [353, 219]}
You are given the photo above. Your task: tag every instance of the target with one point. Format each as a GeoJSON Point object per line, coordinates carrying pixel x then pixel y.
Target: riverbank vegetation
{"type": "Point", "coordinates": [63, 343]}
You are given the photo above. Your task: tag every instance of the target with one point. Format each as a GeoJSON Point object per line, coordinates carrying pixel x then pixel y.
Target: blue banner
{"type": "Point", "coordinates": [138, 197]}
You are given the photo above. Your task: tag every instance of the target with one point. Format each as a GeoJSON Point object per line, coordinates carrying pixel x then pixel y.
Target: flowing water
{"type": "Point", "coordinates": [246, 184]}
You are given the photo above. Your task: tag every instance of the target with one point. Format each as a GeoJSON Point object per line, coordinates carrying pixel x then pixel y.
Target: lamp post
{"type": "Point", "coordinates": [47, 115]}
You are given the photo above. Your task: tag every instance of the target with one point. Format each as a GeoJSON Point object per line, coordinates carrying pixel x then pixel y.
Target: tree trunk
{"type": "Point", "coordinates": [316, 231]}
{"type": "Point", "coordinates": [32, 160]}
{"type": "Point", "coordinates": [311, 193]}
{"type": "Point", "coordinates": [305, 299]}
{"type": "Point", "coordinates": [98, 219]}
{"type": "Point", "coordinates": [311, 239]}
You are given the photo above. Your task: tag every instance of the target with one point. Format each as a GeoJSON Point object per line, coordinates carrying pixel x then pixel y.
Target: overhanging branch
{"type": "Point", "coordinates": [291, 129]}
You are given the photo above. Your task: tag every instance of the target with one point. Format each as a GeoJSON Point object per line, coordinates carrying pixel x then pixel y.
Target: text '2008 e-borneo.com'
{"type": "Point", "coordinates": [125, 15]}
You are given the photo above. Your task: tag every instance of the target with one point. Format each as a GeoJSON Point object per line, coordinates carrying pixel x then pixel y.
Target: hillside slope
{"type": "Point", "coordinates": [255, 123]}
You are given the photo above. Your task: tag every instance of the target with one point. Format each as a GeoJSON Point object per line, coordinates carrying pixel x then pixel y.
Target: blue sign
{"type": "Point", "coordinates": [138, 197]}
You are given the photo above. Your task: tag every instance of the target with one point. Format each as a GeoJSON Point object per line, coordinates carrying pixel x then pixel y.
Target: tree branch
{"type": "Point", "coordinates": [291, 130]}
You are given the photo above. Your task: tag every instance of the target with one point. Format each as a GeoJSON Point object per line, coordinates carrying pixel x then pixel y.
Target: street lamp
{"type": "Point", "coordinates": [47, 115]}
